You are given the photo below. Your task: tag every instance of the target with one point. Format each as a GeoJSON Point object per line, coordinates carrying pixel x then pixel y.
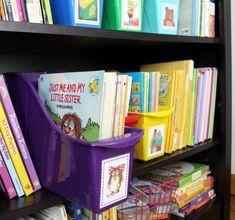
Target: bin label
{"type": "Point", "coordinates": [87, 12]}
{"type": "Point", "coordinates": [131, 14]}
{"type": "Point", "coordinates": [114, 179]}
{"type": "Point", "coordinates": [156, 135]}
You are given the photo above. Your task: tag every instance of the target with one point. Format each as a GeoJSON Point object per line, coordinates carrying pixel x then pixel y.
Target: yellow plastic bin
{"type": "Point", "coordinates": [156, 128]}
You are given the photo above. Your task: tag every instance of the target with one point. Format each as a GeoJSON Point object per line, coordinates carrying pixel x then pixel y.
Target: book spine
{"type": "Point", "coordinates": [44, 14]}
{"type": "Point", "coordinates": [20, 10]}
{"type": "Point", "coordinates": [211, 19]}
{"type": "Point", "coordinates": [9, 11]}
{"type": "Point", "coordinates": [34, 11]}
{"type": "Point", "coordinates": [10, 167]}
{"type": "Point", "coordinates": [48, 11]}
{"type": "Point", "coordinates": [6, 180]}
{"type": "Point", "coordinates": [14, 10]}
{"type": "Point", "coordinates": [2, 13]}
{"type": "Point", "coordinates": [14, 153]}
{"type": "Point", "coordinates": [24, 11]}
{"type": "Point", "coordinates": [5, 10]}
{"type": "Point", "coordinates": [19, 138]}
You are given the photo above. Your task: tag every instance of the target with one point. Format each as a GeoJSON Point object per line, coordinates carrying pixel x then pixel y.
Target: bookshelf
{"type": "Point", "coordinates": [29, 47]}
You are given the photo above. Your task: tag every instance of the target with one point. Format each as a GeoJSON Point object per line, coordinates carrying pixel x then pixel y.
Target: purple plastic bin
{"type": "Point", "coordinates": [94, 174]}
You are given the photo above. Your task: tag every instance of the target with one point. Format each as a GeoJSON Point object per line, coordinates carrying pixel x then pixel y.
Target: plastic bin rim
{"type": "Point", "coordinates": [159, 114]}
{"type": "Point", "coordinates": [132, 136]}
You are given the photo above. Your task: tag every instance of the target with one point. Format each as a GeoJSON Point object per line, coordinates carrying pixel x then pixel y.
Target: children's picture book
{"type": "Point", "coordinates": [34, 11]}
{"type": "Point", "coordinates": [131, 14]}
{"type": "Point", "coordinates": [71, 98]}
{"type": "Point", "coordinates": [18, 135]}
{"type": "Point", "coordinates": [87, 11]}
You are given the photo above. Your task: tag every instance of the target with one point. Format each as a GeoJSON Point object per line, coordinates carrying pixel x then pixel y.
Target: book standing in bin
{"type": "Point", "coordinates": [19, 138]}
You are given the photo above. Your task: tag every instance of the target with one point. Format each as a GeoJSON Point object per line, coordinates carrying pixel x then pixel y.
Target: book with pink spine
{"type": "Point", "coordinates": [5, 180]}
{"type": "Point", "coordinates": [20, 10]}
{"type": "Point", "coordinates": [16, 130]}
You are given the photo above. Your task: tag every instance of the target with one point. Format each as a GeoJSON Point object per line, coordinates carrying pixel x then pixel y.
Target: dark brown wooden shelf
{"type": "Point", "coordinates": [18, 207]}
{"type": "Point", "coordinates": [23, 37]}
{"type": "Point", "coordinates": [141, 167]}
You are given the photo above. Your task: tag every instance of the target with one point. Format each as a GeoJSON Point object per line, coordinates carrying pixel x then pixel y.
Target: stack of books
{"type": "Point", "coordinates": [192, 94]}
{"type": "Point", "coordinates": [194, 188]}
{"type": "Point", "coordinates": [35, 11]}
{"type": "Point", "coordinates": [17, 173]}
{"type": "Point", "coordinates": [88, 105]}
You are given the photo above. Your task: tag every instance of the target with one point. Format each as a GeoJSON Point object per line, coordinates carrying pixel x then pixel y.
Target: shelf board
{"type": "Point", "coordinates": [140, 167]}
{"type": "Point", "coordinates": [18, 207]}
{"type": "Point", "coordinates": [42, 37]}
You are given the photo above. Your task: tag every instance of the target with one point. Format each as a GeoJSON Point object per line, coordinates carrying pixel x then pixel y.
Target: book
{"type": "Point", "coordinates": [9, 10]}
{"type": "Point", "coordinates": [34, 12]}
{"type": "Point", "coordinates": [2, 13]}
{"type": "Point", "coordinates": [18, 135]}
{"type": "Point", "coordinates": [57, 212]}
{"type": "Point", "coordinates": [24, 10]}
{"type": "Point", "coordinates": [196, 17]}
{"type": "Point", "coordinates": [69, 98]}
{"type": "Point", "coordinates": [188, 172]}
{"type": "Point", "coordinates": [10, 167]}
{"type": "Point", "coordinates": [6, 180]}
{"type": "Point", "coordinates": [161, 16]}
{"type": "Point", "coordinates": [47, 6]}
{"type": "Point", "coordinates": [5, 10]}
{"type": "Point", "coordinates": [15, 12]}
{"type": "Point", "coordinates": [185, 22]}
{"type": "Point", "coordinates": [211, 22]}
{"type": "Point", "coordinates": [44, 14]}
{"type": "Point", "coordinates": [74, 211]}
{"type": "Point", "coordinates": [20, 10]}
{"type": "Point", "coordinates": [14, 153]}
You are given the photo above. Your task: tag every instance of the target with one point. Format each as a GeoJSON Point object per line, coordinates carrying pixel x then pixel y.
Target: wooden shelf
{"type": "Point", "coordinates": [140, 167]}
{"type": "Point", "coordinates": [18, 207]}
{"type": "Point", "coordinates": [40, 38]}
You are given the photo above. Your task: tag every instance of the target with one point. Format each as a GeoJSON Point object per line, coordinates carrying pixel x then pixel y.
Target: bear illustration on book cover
{"type": "Point", "coordinates": [74, 101]}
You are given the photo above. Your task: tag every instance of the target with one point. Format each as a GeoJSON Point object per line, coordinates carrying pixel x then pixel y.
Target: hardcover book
{"type": "Point", "coordinates": [16, 130]}
{"type": "Point", "coordinates": [70, 99]}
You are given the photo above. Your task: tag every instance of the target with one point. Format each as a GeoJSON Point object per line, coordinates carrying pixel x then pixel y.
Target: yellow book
{"type": "Point", "coordinates": [113, 213]}
{"type": "Point", "coordinates": [14, 153]}
{"type": "Point", "coordinates": [187, 67]}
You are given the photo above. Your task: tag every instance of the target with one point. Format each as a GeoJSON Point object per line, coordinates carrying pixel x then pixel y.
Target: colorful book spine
{"type": "Point", "coordinates": [2, 13]}
{"type": "Point", "coordinates": [5, 10]}
{"type": "Point", "coordinates": [19, 138]}
{"type": "Point", "coordinates": [20, 10]}
{"type": "Point", "coordinates": [48, 11]}
{"type": "Point", "coordinates": [10, 167]}
{"type": "Point", "coordinates": [14, 153]}
{"type": "Point", "coordinates": [211, 20]}
{"type": "Point", "coordinates": [9, 10]}
{"type": "Point", "coordinates": [14, 10]}
{"type": "Point", "coordinates": [6, 180]}
{"type": "Point", "coordinates": [24, 11]}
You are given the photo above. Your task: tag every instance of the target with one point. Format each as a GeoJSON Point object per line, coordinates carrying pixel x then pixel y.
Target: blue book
{"type": "Point", "coordinates": [81, 13]}
{"type": "Point", "coordinates": [161, 16]}
{"type": "Point", "coordinates": [196, 17]}
{"type": "Point", "coordinates": [199, 107]}
{"type": "Point", "coordinates": [137, 100]}
{"type": "Point", "coordinates": [10, 167]}
{"type": "Point", "coordinates": [74, 211]}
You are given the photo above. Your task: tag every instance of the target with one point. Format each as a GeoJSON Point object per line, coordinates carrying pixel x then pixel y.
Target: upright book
{"type": "Point", "coordinates": [19, 138]}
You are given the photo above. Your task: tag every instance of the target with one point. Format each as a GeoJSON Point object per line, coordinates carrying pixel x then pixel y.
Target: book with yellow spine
{"type": "Point", "coordinates": [14, 153]}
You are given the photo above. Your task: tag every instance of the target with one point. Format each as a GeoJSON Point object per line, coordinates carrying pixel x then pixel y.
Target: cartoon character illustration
{"type": "Point", "coordinates": [130, 12]}
{"type": "Point", "coordinates": [94, 86]}
{"type": "Point", "coordinates": [164, 87]}
{"type": "Point", "coordinates": [135, 99]}
{"type": "Point", "coordinates": [156, 141]}
{"type": "Point", "coordinates": [115, 179]}
{"type": "Point", "coordinates": [169, 18]}
{"type": "Point", "coordinates": [71, 124]}
{"type": "Point", "coordinates": [87, 9]}
{"type": "Point", "coordinates": [135, 88]}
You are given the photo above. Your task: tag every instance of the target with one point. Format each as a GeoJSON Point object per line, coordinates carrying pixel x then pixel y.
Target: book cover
{"type": "Point", "coordinates": [18, 135]}
{"type": "Point", "coordinates": [15, 12]}
{"type": "Point", "coordinates": [212, 114]}
{"type": "Point", "coordinates": [20, 10]}
{"type": "Point", "coordinates": [14, 152]}
{"type": "Point", "coordinates": [10, 167]}
{"type": "Point", "coordinates": [9, 10]}
{"type": "Point", "coordinates": [137, 92]}
{"type": "Point", "coordinates": [34, 11]}
{"type": "Point", "coordinates": [69, 98]}
{"type": "Point", "coordinates": [185, 23]}
{"type": "Point", "coordinates": [6, 180]}
{"type": "Point", "coordinates": [47, 6]}
{"type": "Point", "coordinates": [198, 107]}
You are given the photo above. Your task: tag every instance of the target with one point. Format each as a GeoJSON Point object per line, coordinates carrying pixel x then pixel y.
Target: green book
{"type": "Point", "coordinates": [123, 15]}
{"type": "Point", "coordinates": [185, 171]}
{"type": "Point", "coordinates": [190, 137]}
{"type": "Point", "coordinates": [48, 11]}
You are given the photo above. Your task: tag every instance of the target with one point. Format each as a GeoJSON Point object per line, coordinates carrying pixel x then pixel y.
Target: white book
{"type": "Point", "coordinates": [34, 11]}
{"type": "Point", "coordinates": [128, 94]}
{"type": "Point", "coordinates": [14, 9]}
{"type": "Point", "coordinates": [205, 18]}
{"type": "Point", "coordinates": [57, 212]}
{"type": "Point", "coordinates": [108, 102]}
